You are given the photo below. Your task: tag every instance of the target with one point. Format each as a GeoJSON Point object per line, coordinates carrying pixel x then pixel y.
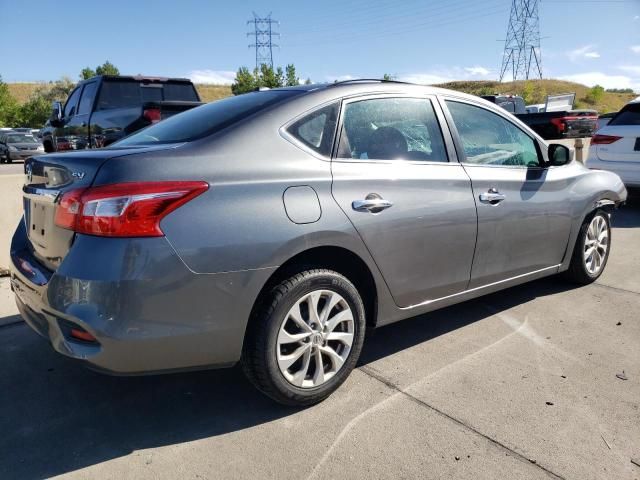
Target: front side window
{"type": "Point", "coordinates": [86, 101]}
{"type": "Point", "coordinates": [391, 129]}
{"type": "Point", "coordinates": [72, 102]}
{"type": "Point", "coordinates": [317, 129]}
{"type": "Point", "coordinates": [489, 139]}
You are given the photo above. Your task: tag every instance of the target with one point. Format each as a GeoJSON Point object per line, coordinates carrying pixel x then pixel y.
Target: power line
{"type": "Point", "coordinates": [263, 38]}
{"type": "Point", "coordinates": [522, 45]}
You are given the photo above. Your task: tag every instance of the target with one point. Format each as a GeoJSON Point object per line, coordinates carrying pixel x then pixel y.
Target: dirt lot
{"type": "Point", "coordinates": [519, 384]}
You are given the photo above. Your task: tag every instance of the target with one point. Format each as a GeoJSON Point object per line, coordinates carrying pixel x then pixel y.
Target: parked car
{"type": "Point", "coordinates": [616, 146]}
{"type": "Point", "coordinates": [18, 146]}
{"type": "Point", "coordinates": [556, 119]}
{"type": "Point", "coordinates": [274, 228]}
{"type": "Point", "coordinates": [106, 108]}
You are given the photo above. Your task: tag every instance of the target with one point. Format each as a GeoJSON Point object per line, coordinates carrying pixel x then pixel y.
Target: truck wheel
{"type": "Point", "coordinates": [591, 251]}
{"type": "Point", "coordinates": [305, 338]}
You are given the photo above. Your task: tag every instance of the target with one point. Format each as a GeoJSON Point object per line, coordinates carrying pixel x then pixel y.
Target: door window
{"type": "Point", "coordinates": [489, 139]}
{"type": "Point", "coordinates": [86, 101]}
{"type": "Point", "coordinates": [70, 106]}
{"type": "Point", "coordinates": [391, 129]}
{"type": "Point", "coordinates": [317, 129]}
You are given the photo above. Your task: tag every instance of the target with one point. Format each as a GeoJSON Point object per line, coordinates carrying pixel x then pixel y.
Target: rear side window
{"type": "Point", "coordinates": [629, 115]}
{"type": "Point", "coordinates": [208, 119]}
{"type": "Point", "coordinates": [391, 129]}
{"type": "Point", "coordinates": [123, 94]}
{"type": "Point", "coordinates": [317, 129]}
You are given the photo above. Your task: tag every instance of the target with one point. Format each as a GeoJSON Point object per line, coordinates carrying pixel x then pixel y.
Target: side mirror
{"type": "Point", "coordinates": [559, 155]}
{"type": "Point", "coordinates": [56, 114]}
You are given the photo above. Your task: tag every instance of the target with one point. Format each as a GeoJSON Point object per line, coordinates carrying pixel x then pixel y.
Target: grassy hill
{"type": "Point", "coordinates": [534, 91]}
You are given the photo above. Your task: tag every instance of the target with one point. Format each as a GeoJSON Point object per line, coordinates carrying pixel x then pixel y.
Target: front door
{"type": "Point", "coordinates": [524, 219]}
{"type": "Point", "coordinates": [76, 128]}
{"type": "Point", "coordinates": [411, 205]}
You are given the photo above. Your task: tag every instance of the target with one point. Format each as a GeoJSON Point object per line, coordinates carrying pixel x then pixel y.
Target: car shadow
{"type": "Point", "coordinates": [59, 417]}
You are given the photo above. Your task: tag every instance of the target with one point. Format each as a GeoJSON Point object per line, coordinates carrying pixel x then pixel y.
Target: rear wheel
{"type": "Point", "coordinates": [306, 338]}
{"type": "Point", "coordinates": [591, 251]}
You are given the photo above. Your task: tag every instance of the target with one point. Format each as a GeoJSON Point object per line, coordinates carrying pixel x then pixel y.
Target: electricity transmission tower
{"type": "Point", "coordinates": [263, 34]}
{"type": "Point", "coordinates": [522, 45]}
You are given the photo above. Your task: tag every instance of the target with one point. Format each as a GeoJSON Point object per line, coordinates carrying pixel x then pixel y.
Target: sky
{"type": "Point", "coordinates": [428, 41]}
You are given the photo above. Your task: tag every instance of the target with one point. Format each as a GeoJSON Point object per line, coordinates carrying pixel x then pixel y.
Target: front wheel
{"type": "Point", "coordinates": [591, 251]}
{"type": "Point", "coordinates": [306, 338]}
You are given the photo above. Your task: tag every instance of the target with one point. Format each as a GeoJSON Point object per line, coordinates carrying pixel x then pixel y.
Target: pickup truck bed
{"type": "Point", "coordinates": [556, 125]}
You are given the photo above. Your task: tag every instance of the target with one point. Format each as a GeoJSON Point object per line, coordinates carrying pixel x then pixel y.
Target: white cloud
{"type": "Point", "coordinates": [339, 78]}
{"type": "Point", "coordinates": [636, 18]}
{"type": "Point", "coordinates": [632, 69]}
{"type": "Point", "coordinates": [583, 52]}
{"type": "Point", "coordinates": [477, 71]}
{"type": "Point", "coordinates": [443, 75]}
{"type": "Point", "coordinates": [220, 77]}
{"type": "Point", "coordinates": [635, 48]}
{"type": "Point", "coordinates": [604, 79]}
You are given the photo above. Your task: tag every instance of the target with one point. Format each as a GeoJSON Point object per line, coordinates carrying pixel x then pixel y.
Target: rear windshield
{"type": "Point", "coordinates": [17, 138]}
{"type": "Point", "coordinates": [629, 115]}
{"type": "Point", "coordinates": [131, 93]}
{"type": "Point", "coordinates": [208, 119]}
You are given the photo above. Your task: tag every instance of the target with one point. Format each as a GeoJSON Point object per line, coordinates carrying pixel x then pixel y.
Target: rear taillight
{"type": "Point", "coordinates": [152, 114]}
{"type": "Point", "coordinates": [124, 209]}
{"type": "Point", "coordinates": [604, 139]}
{"type": "Point", "coordinates": [559, 123]}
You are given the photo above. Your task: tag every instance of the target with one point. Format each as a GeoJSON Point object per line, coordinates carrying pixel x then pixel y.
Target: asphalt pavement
{"type": "Point", "coordinates": [16, 167]}
{"type": "Point", "coordinates": [538, 381]}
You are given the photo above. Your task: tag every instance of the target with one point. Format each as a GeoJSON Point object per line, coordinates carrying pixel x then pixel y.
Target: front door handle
{"type": "Point", "coordinates": [373, 203]}
{"type": "Point", "coordinates": [492, 196]}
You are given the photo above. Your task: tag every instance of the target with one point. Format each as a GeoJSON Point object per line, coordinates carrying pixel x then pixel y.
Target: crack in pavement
{"type": "Point", "coordinates": [375, 375]}
{"type": "Point", "coordinates": [616, 288]}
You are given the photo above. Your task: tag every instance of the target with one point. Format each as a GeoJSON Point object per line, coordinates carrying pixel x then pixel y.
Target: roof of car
{"type": "Point", "coordinates": [137, 78]}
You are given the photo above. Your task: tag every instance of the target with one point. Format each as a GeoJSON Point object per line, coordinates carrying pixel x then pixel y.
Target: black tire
{"type": "Point", "coordinates": [577, 271]}
{"type": "Point", "coordinates": [259, 351]}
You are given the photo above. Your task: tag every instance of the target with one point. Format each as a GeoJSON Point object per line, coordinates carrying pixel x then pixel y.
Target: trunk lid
{"type": "Point", "coordinates": [47, 178]}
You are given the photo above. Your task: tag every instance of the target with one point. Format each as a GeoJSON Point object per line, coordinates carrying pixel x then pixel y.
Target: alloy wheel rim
{"type": "Point", "coordinates": [315, 338]}
{"type": "Point", "coordinates": [596, 245]}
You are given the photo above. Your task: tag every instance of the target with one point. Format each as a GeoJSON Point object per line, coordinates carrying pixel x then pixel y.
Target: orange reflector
{"type": "Point", "coordinates": [82, 335]}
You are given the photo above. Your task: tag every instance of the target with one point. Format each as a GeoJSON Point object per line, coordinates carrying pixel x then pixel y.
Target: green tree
{"type": "Point", "coordinates": [527, 92]}
{"type": "Point", "coordinates": [308, 81]}
{"type": "Point", "coordinates": [267, 77]}
{"type": "Point", "coordinates": [387, 77]}
{"type": "Point", "coordinates": [8, 106]}
{"type": "Point", "coordinates": [87, 73]}
{"type": "Point", "coordinates": [595, 95]}
{"type": "Point", "coordinates": [280, 82]}
{"type": "Point", "coordinates": [244, 82]}
{"type": "Point", "coordinates": [107, 68]}
{"type": "Point", "coordinates": [292, 78]}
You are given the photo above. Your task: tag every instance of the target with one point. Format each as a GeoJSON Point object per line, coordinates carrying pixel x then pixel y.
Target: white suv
{"type": "Point", "coordinates": [616, 146]}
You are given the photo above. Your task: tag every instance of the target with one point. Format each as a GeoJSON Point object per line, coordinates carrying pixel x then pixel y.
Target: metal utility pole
{"type": "Point", "coordinates": [522, 45]}
{"type": "Point", "coordinates": [263, 35]}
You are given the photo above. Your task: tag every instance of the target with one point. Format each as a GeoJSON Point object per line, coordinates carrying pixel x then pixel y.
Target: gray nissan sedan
{"type": "Point", "coordinates": [275, 227]}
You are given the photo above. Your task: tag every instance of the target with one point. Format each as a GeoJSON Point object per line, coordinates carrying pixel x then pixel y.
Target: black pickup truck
{"type": "Point", "coordinates": [550, 125]}
{"type": "Point", "coordinates": [106, 108]}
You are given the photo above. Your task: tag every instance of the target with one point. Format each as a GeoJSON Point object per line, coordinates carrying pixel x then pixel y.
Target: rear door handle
{"type": "Point", "coordinates": [492, 196]}
{"type": "Point", "coordinates": [372, 203]}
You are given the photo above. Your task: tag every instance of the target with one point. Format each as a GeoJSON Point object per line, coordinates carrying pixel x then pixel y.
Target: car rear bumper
{"type": "Point", "coordinates": [146, 310]}
{"type": "Point", "coordinates": [628, 171]}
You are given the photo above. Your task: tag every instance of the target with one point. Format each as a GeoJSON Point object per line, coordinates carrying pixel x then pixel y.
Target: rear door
{"type": "Point", "coordinates": [524, 216]}
{"type": "Point", "coordinates": [407, 197]}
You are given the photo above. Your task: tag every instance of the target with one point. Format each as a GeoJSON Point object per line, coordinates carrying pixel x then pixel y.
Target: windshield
{"type": "Point", "coordinates": [17, 138]}
{"type": "Point", "coordinates": [205, 120]}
